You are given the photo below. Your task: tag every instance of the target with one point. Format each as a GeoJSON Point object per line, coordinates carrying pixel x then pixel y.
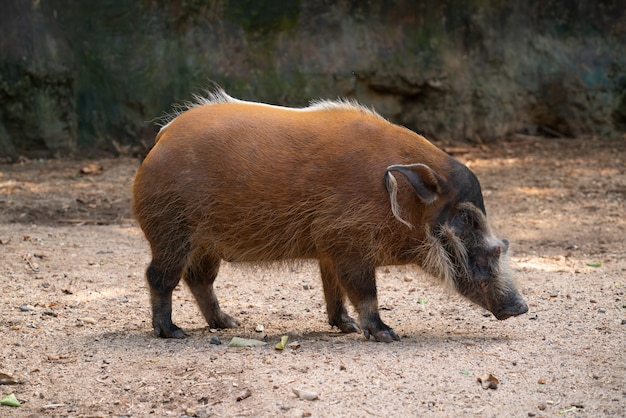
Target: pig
{"type": "Point", "coordinates": [248, 182]}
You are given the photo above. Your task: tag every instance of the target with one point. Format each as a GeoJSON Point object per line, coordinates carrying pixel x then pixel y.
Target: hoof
{"type": "Point", "coordinates": [349, 327]}
{"type": "Point", "coordinates": [346, 324]}
{"type": "Point", "coordinates": [224, 321]}
{"type": "Point", "coordinates": [170, 332]}
{"type": "Point", "coordinates": [385, 335]}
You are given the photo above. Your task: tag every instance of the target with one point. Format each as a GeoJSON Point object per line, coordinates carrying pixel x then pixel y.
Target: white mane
{"type": "Point", "coordinates": [218, 95]}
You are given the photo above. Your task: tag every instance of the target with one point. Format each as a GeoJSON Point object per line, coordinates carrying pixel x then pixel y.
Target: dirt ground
{"type": "Point", "coordinates": [75, 319]}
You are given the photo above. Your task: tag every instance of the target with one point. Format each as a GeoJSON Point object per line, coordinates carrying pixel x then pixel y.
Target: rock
{"type": "Point", "coordinates": [87, 320]}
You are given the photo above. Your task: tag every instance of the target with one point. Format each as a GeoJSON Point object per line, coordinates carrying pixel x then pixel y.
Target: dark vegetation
{"type": "Point", "coordinates": [86, 76]}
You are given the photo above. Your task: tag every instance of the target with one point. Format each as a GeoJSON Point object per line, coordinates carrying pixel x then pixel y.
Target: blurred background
{"type": "Point", "coordinates": [84, 76]}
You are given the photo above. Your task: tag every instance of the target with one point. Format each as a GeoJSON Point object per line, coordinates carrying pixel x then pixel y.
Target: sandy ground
{"type": "Point", "coordinates": [75, 318]}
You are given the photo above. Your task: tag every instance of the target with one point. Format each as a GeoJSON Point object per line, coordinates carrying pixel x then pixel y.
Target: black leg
{"type": "Point", "coordinates": [359, 283]}
{"type": "Point", "coordinates": [334, 295]}
{"type": "Point", "coordinates": [200, 275]}
{"type": "Point", "coordinates": [162, 282]}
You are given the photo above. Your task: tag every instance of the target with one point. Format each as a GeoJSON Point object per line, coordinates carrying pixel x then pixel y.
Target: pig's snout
{"type": "Point", "coordinates": [511, 307]}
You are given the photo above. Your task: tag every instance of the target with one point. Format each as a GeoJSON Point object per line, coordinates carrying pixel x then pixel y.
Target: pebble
{"type": "Point", "coordinates": [601, 310]}
{"type": "Point", "coordinates": [305, 394]}
{"type": "Point", "coordinates": [216, 341]}
{"type": "Point", "coordinates": [244, 394]}
{"type": "Point", "coordinates": [26, 308]}
{"type": "Point", "coordinates": [541, 406]}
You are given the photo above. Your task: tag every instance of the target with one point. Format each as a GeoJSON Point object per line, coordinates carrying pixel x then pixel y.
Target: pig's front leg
{"type": "Point", "coordinates": [359, 282]}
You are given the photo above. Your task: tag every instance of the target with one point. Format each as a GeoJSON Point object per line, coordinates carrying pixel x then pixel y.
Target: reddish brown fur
{"type": "Point", "coordinates": [251, 182]}
{"type": "Point", "coordinates": [263, 183]}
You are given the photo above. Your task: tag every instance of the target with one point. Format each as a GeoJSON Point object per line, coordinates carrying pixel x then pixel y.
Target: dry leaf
{"type": "Point", "coordinates": [91, 168]}
{"type": "Point", "coordinates": [243, 395]}
{"type": "Point", "coordinates": [294, 345]}
{"type": "Point", "coordinates": [245, 342]}
{"type": "Point", "coordinates": [5, 379]}
{"type": "Point", "coordinates": [488, 381]}
{"type": "Point", "coordinates": [283, 340]}
{"type": "Point", "coordinates": [10, 400]}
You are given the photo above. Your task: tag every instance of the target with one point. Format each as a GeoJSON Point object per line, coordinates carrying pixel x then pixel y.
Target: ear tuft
{"type": "Point", "coordinates": [425, 181]}
{"type": "Point", "coordinates": [392, 188]}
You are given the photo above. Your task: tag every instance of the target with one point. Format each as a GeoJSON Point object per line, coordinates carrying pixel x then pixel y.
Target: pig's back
{"type": "Point", "coordinates": [256, 182]}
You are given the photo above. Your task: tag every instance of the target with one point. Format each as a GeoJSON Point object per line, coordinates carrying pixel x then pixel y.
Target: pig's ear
{"type": "Point", "coordinates": [425, 181]}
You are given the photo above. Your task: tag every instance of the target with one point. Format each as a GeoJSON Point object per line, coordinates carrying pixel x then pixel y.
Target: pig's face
{"type": "Point", "coordinates": [459, 247]}
{"type": "Point", "coordinates": [477, 262]}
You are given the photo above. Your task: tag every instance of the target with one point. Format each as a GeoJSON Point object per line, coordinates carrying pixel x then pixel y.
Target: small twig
{"type": "Point", "coordinates": [52, 405]}
{"type": "Point", "coordinates": [553, 131]}
{"type": "Point", "coordinates": [82, 221]}
{"type": "Point", "coordinates": [489, 354]}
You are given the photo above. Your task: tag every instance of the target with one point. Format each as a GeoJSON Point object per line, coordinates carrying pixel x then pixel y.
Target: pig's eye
{"type": "Point", "coordinates": [464, 217]}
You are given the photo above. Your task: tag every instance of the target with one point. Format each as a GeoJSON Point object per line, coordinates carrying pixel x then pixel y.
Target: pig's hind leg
{"type": "Point", "coordinates": [200, 275]}
{"type": "Point", "coordinates": [335, 299]}
{"type": "Point", "coordinates": [162, 281]}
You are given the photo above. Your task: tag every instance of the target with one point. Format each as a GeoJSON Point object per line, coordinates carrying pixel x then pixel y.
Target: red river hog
{"type": "Point", "coordinates": [249, 182]}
